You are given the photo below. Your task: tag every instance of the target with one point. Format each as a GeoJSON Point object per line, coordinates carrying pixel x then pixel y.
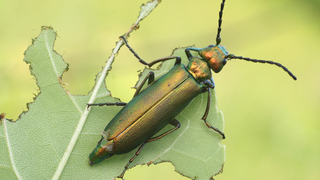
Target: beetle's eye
{"type": "Point", "coordinates": [211, 45]}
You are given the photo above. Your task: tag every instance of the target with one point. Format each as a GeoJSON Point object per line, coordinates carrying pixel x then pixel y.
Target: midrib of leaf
{"type": "Point", "coordinates": [50, 55]}
{"type": "Point", "coordinates": [10, 151]}
{"type": "Point", "coordinates": [144, 12]}
{"type": "Point", "coordinates": [84, 115]}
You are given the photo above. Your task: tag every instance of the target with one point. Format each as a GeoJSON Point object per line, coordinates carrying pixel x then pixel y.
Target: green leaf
{"type": "Point", "coordinates": [55, 136]}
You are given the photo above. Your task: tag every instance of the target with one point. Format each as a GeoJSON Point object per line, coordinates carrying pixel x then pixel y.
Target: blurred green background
{"type": "Point", "coordinates": [271, 121]}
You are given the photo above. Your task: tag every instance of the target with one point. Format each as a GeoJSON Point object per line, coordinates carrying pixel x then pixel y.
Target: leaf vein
{"type": "Point", "coordinates": [50, 55]}
{"type": "Point", "coordinates": [10, 150]}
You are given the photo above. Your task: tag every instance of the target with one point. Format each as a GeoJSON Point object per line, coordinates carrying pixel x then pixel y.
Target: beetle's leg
{"type": "Point", "coordinates": [204, 117]}
{"type": "Point", "coordinates": [107, 104]}
{"type": "Point", "coordinates": [134, 53]}
{"type": "Point", "coordinates": [178, 59]}
{"type": "Point", "coordinates": [130, 161]}
{"type": "Point", "coordinates": [209, 83]}
{"type": "Point", "coordinates": [188, 53]}
{"type": "Point", "coordinates": [150, 77]}
{"type": "Point", "coordinates": [174, 122]}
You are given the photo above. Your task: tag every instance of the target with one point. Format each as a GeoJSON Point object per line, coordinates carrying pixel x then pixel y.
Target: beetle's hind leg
{"type": "Point", "coordinates": [204, 117]}
{"type": "Point", "coordinates": [174, 122]}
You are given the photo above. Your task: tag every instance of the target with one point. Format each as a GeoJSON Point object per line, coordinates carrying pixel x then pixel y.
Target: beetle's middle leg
{"type": "Point", "coordinates": [204, 117]}
{"type": "Point", "coordinates": [174, 122]}
{"type": "Point", "coordinates": [150, 77]}
{"type": "Point", "coordinates": [107, 104]}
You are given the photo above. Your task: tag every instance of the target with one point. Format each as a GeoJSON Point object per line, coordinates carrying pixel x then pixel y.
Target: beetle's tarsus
{"type": "Point", "coordinates": [149, 163]}
{"type": "Point", "coordinates": [215, 129]}
{"type": "Point", "coordinates": [108, 104]}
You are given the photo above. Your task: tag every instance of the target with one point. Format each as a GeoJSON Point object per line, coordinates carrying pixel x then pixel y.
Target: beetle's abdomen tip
{"type": "Point", "coordinates": [91, 163]}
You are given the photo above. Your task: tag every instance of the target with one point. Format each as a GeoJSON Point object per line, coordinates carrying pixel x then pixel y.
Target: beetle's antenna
{"type": "Point", "coordinates": [218, 39]}
{"type": "Point", "coordinates": [231, 56]}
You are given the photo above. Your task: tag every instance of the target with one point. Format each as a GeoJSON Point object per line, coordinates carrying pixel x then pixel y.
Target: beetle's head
{"type": "Point", "coordinates": [215, 55]}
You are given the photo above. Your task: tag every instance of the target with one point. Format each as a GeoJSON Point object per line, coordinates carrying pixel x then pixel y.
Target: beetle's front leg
{"type": "Point", "coordinates": [209, 83]}
{"type": "Point", "coordinates": [204, 117]}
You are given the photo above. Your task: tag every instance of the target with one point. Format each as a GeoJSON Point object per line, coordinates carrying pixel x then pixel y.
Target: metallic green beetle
{"type": "Point", "coordinates": [157, 105]}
